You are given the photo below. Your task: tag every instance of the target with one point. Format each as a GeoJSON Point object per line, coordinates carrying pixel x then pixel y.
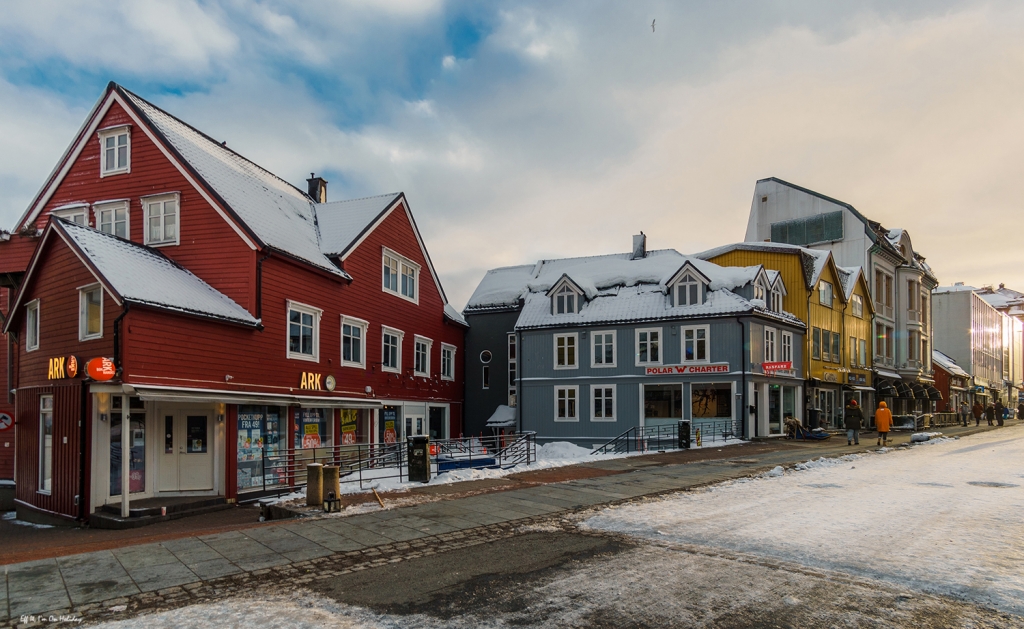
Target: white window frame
{"type": "Point", "coordinates": [707, 344]}
{"type": "Point", "coordinates": [576, 402]}
{"type": "Point", "coordinates": [561, 295]}
{"type": "Point", "coordinates": [594, 353]}
{"type": "Point", "coordinates": [594, 388]}
{"type": "Point", "coordinates": [45, 471]}
{"type": "Point", "coordinates": [661, 353]}
{"type": "Point", "coordinates": [429, 343]}
{"type": "Point", "coordinates": [113, 206]}
{"type": "Point", "coordinates": [857, 306]}
{"type": "Point", "coordinates": [114, 132]}
{"type": "Point", "coordinates": [70, 211]}
{"type": "Point", "coordinates": [161, 199]}
{"type": "Point", "coordinates": [776, 305]}
{"type": "Point", "coordinates": [822, 285]}
{"type": "Point", "coordinates": [450, 349]}
{"type": "Point", "coordinates": [83, 334]}
{"type": "Point", "coordinates": [787, 347]}
{"type": "Point", "coordinates": [863, 346]}
{"type": "Point", "coordinates": [362, 325]}
{"type": "Point", "coordinates": [402, 264]}
{"type": "Point", "coordinates": [304, 309]}
{"type": "Point", "coordinates": [682, 289]}
{"type": "Point", "coordinates": [386, 330]}
{"type": "Point", "coordinates": [575, 364]}
{"type": "Point", "coordinates": [771, 337]}
{"type": "Point", "coordinates": [29, 345]}
{"type": "Point", "coordinates": [759, 291]}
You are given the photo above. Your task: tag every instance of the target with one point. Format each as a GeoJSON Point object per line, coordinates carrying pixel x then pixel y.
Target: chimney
{"type": "Point", "coordinates": [317, 188]}
{"type": "Point", "coordinates": [639, 246]}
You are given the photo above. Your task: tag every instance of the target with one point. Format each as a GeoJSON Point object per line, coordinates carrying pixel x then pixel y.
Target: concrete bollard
{"type": "Point", "coordinates": [332, 480]}
{"type": "Point", "coordinates": [314, 485]}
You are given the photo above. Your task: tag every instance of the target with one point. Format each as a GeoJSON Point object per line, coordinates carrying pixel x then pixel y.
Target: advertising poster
{"type": "Point", "coordinates": [349, 425]}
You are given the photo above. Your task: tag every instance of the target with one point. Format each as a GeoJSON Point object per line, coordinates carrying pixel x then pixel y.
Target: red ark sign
{"type": "Point", "coordinates": [101, 369]}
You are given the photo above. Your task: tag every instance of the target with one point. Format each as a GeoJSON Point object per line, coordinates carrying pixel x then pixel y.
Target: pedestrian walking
{"type": "Point", "coordinates": [883, 422]}
{"type": "Point", "coordinates": [965, 413]}
{"type": "Point", "coordinates": [854, 418]}
{"type": "Point", "coordinates": [990, 413]}
{"type": "Point", "coordinates": [977, 410]}
{"type": "Point", "coordinates": [1000, 410]}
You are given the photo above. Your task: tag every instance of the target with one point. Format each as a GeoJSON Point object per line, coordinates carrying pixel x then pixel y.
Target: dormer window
{"type": "Point", "coordinates": [115, 151]}
{"type": "Point", "coordinates": [758, 292]}
{"type": "Point", "coordinates": [689, 291]}
{"type": "Point", "coordinates": [776, 300]}
{"type": "Point", "coordinates": [566, 301]}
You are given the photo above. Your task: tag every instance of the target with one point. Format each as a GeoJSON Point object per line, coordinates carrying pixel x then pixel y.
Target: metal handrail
{"type": "Point", "coordinates": [642, 438]}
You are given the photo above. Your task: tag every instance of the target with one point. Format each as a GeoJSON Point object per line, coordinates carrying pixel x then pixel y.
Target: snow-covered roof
{"type": "Point", "coordinates": [142, 275]}
{"type": "Point", "coordinates": [948, 364]}
{"type": "Point", "coordinates": [814, 260]}
{"type": "Point", "coordinates": [278, 213]}
{"type": "Point", "coordinates": [956, 288]}
{"type": "Point", "coordinates": [501, 288]}
{"type": "Point", "coordinates": [454, 315]}
{"type": "Point", "coordinates": [849, 276]}
{"type": "Point", "coordinates": [341, 223]}
{"type": "Point", "coordinates": [503, 417]}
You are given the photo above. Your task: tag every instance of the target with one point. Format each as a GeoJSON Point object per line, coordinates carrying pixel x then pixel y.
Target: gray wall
{"type": "Point", "coordinates": [487, 331]}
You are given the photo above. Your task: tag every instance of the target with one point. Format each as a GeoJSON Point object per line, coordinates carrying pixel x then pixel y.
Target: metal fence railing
{"type": "Point", "coordinates": [666, 437]}
{"type": "Point", "coordinates": [939, 420]}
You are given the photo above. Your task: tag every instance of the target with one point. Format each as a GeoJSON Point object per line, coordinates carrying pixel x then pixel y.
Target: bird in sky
{"type": "Point", "coordinates": [652, 24]}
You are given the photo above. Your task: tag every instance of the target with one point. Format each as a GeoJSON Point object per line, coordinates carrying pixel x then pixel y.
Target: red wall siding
{"type": "Point", "coordinates": [942, 384]}
{"type": "Point", "coordinates": [209, 246]}
{"type": "Point", "coordinates": [66, 411]}
{"type": "Point", "coordinates": [7, 446]}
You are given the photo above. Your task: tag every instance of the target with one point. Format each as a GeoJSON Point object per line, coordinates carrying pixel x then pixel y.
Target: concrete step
{"type": "Point", "coordinates": [105, 519]}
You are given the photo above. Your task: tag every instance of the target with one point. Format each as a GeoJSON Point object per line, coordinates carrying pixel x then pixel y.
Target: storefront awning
{"type": "Point", "coordinates": [885, 388]}
{"type": "Point", "coordinates": [905, 392]}
{"type": "Point", "coordinates": [934, 394]}
{"type": "Point", "coordinates": [503, 417]}
{"type": "Point", "coordinates": [855, 387]}
{"type": "Point", "coordinates": [185, 396]}
{"type": "Point", "coordinates": [920, 392]}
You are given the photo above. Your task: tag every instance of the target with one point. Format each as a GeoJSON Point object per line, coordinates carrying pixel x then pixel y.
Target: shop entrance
{"type": "Point", "coordinates": [829, 416]}
{"type": "Point", "coordinates": [437, 422]}
{"type": "Point", "coordinates": [186, 460]}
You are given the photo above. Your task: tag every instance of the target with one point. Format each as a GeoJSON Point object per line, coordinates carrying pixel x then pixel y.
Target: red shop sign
{"type": "Point", "coordinates": [101, 369]}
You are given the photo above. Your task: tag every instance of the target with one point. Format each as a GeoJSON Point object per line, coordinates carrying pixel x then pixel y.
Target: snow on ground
{"type": "Point", "coordinates": [12, 517]}
{"type": "Point", "coordinates": [944, 517]}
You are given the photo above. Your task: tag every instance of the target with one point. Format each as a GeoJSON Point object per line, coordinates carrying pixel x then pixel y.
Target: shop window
{"type": "Point", "coordinates": [648, 346]}
{"type": "Point", "coordinates": [565, 351]}
{"type": "Point", "coordinates": [136, 443]}
{"type": "Point", "coordinates": [711, 400]}
{"type": "Point", "coordinates": [161, 219]}
{"type": "Point", "coordinates": [32, 325]}
{"type": "Point", "coordinates": [90, 313]}
{"type": "Point", "coordinates": [421, 356]}
{"type": "Point", "coordinates": [565, 404]}
{"type": "Point", "coordinates": [391, 359]}
{"type": "Point", "coordinates": [45, 443]}
{"type": "Point", "coordinates": [313, 428]}
{"type": "Point", "coordinates": [112, 218]}
{"type": "Point", "coordinates": [116, 151]}
{"type": "Point", "coordinates": [303, 332]}
{"type": "Point", "coordinates": [447, 362]}
{"type": "Point", "coordinates": [603, 354]}
{"type": "Point", "coordinates": [604, 402]}
{"type": "Point", "coordinates": [695, 344]}
{"type": "Point", "coordinates": [353, 339]}
{"type": "Point", "coordinates": [663, 401]}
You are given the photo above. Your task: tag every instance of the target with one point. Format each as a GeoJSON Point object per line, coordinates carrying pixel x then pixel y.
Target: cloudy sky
{"type": "Point", "coordinates": [523, 130]}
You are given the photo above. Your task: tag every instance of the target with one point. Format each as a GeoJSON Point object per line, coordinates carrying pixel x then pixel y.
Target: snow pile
{"type": "Point", "coordinates": [564, 451]}
{"type": "Point", "coordinates": [942, 519]}
{"type": "Point", "coordinates": [919, 437]}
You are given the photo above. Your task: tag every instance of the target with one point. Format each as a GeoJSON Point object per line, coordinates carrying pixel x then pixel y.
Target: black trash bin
{"type": "Point", "coordinates": [419, 458]}
{"type": "Point", "coordinates": [684, 434]}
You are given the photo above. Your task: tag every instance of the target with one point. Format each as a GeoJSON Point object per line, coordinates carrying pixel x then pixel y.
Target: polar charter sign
{"type": "Point", "coordinates": [665, 370]}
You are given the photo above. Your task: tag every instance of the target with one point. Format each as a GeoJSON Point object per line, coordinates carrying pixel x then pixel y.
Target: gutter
{"type": "Point", "coordinates": [259, 285]}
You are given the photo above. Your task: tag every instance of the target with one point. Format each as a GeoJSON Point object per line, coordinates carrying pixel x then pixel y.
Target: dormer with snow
{"type": "Point", "coordinates": [688, 287]}
{"type": "Point", "coordinates": [566, 296]}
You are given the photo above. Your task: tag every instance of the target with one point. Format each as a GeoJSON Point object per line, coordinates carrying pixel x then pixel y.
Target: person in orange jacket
{"type": "Point", "coordinates": [883, 422]}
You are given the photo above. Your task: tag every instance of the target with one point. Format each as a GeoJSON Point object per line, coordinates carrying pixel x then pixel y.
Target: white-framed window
{"type": "Point", "coordinates": [447, 361]}
{"type": "Point", "coordinates": [603, 396]}
{"type": "Point", "coordinates": [787, 347]}
{"type": "Point", "coordinates": [303, 332]}
{"type": "Point", "coordinates": [115, 150]}
{"type": "Point", "coordinates": [421, 356]}
{"type": "Point", "coordinates": [162, 219]}
{"type": "Point", "coordinates": [565, 351]}
{"type": "Point", "coordinates": [825, 293]}
{"type": "Point", "coordinates": [513, 368]}
{"type": "Point", "coordinates": [112, 218]}
{"type": "Point", "coordinates": [696, 340]}
{"type": "Point", "coordinates": [90, 312]}
{"type": "Point", "coordinates": [32, 325]}
{"type": "Point", "coordinates": [353, 342]}
{"type": "Point", "coordinates": [565, 404]}
{"type": "Point", "coordinates": [858, 306]}
{"type": "Point", "coordinates": [770, 335]}
{"type": "Point", "coordinates": [688, 291]}
{"type": "Point", "coordinates": [391, 352]}
{"type": "Point", "coordinates": [758, 292]}
{"type": "Point", "coordinates": [776, 300]}
{"type": "Point", "coordinates": [648, 346]}
{"type": "Point", "coordinates": [565, 301]}
{"type": "Point", "coordinates": [603, 352]}
{"type": "Point", "coordinates": [75, 212]}
{"type": "Point", "coordinates": [45, 444]}
{"type": "Point", "coordinates": [400, 276]}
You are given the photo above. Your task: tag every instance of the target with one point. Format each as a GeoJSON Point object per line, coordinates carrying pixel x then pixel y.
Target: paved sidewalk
{"type": "Point", "coordinates": [66, 584]}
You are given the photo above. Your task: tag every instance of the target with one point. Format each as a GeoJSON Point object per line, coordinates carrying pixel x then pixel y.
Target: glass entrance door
{"type": "Point", "coordinates": [137, 445]}
{"type": "Point", "coordinates": [827, 406]}
{"type": "Point", "coordinates": [774, 409]}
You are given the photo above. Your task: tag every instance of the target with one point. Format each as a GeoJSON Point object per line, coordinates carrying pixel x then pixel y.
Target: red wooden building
{"type": "Point", "coordinates": [244, 318]}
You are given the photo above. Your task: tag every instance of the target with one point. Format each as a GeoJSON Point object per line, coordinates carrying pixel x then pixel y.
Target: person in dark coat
{"type": "Point", "coordinates": [854, 419]}
{"type": "Point", "coordinates": [965, 413]}
{"type": "Point", "coordinates": [1020, 411]}
{"type": "Point", "coordinates": [999, 412]}
{"type": "Point", "coordinates": [990, 414]}
{"type": "Point", "coordinates": [977, 411]}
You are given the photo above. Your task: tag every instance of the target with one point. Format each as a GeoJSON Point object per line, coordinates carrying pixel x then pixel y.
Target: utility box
{"type": "Point", "coordinates": [419, 458]}
{"type": "Point", "coordinates": [684, 434]}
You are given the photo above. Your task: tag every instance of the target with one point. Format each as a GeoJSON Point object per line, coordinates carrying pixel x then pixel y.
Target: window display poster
{"type": "Point", "coordinates": [349, 424]}
{"type": "Point", "coordinates": [311, 428]}
{"type": "Point", "coordinates": [195, 434]}
{"type": "Point", "coordinates": [389, 424]}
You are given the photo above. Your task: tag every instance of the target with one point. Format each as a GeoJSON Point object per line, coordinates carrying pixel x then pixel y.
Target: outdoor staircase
{"type": "Point", "coordinates": [152, 510]}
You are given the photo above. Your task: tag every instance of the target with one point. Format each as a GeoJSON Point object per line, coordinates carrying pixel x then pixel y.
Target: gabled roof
{"type": "Point", "coordinates": [342, 223]}
{"type": "Point", "coordinates": [133, 273]}
{"type": "Point", "coordinates": [813, 261]}
{"type": "Point", "coordinates": [688, 267]}
{"type": "Point", "coordinates": [948, 364]}
{"type": "Point", "coordinates": [565, 280]}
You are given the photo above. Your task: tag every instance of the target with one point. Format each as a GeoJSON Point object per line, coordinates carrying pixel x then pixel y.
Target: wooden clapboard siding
{"type": "Point", "coordinates": [787, 264]}
{"type": "Point", "coordinates": [66, 461]}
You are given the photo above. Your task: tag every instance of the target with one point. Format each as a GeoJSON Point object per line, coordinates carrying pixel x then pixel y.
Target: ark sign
{"type": "Point", "coordinates": [687, 370]}
{"type": "Point", "coordinates": [62, 367]}
{"type": "Point", "coordinates": [310, 380]}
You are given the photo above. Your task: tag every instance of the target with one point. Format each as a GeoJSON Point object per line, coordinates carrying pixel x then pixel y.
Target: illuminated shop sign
{"type": "Point", "coordinates": [687, 370]}
{"type": "Point", "coordinates": [62, 367]}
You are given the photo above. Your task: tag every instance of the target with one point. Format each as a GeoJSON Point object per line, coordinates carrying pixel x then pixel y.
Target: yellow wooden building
{"type": "Point", "coordinates": [833, 302]}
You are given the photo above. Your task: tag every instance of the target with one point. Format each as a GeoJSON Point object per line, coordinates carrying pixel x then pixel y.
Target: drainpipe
{"type": "Point", "coordinates": [259, 285]}
{"type": "Point", "coordinates": [744, 352]}
{"type": "Point", "coordinates": [118, 363]}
